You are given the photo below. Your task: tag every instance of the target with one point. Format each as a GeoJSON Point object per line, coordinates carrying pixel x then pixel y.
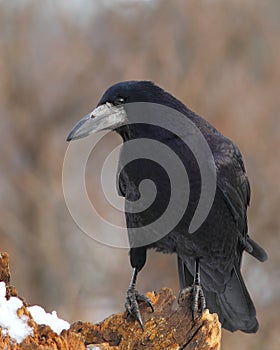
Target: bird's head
{"type": "Point", "coordinates": [111, 111]}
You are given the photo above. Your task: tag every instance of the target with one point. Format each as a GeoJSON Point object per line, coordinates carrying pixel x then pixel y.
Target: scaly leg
{"type": "Point", "coordinates": [198, 299]}
{"type": "Point", "coordinates": [132, 298]}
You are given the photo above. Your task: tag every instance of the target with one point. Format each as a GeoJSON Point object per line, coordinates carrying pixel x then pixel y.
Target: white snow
{"type": "Point", "coordinates": [17, 327]}
{"type": "Point", "coordinates": [40, 316]}
{"type": "Point", "coordinates": [10, 322]}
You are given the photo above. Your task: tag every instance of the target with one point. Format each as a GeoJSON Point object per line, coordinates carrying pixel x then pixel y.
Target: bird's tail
{"type": "Point", "coordinates": [234, 305]}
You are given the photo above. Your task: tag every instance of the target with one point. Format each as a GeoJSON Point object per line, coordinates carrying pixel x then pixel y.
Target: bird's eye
{"type": "Point", "coordinates": [119, 101]}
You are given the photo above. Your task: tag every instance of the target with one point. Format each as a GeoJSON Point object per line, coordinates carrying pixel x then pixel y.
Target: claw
{"type": "Point", "coordinates": [131, 304]}
{"type": "Point", "coordinates": [198, 300]}
{"type": "Point", "coordinates": [198, 303]}
{"type": "Point", "coordinates": [142, 297]}
{"type": "Point", "coordinates": [183, 293]}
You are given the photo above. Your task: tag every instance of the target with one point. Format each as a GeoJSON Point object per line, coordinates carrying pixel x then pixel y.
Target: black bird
{"type": "Point", "coordinates": [209, 259]}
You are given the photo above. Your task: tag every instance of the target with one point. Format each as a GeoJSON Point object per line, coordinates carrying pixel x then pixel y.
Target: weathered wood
{"type": "Point", "coordinates": [170, 326]}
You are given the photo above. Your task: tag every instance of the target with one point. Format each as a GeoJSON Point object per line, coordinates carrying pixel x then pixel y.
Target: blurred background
{"type": "Point", "coordinates": [222, 58]}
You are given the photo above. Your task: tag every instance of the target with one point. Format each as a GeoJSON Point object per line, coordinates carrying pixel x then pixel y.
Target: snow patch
{"type": "Point", "coordinates": [17, 327]}
{"type": "Point", "coordinates": [13, 325]}
{"type": "Point", "coordinates": [40, 316]}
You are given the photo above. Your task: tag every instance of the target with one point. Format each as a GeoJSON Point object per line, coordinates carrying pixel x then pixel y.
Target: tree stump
{"type": "Point", "coordinates": [170, 326]}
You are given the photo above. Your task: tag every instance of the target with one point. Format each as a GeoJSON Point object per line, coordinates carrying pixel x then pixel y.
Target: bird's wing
{"type": "Point", "coordinates": [232, 181]}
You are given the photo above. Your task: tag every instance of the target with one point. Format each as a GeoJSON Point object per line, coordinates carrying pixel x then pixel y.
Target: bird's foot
{"type": "Point", "coordinates": [198, 303]}
{"type": "Point", "coordinates": [132, 307]}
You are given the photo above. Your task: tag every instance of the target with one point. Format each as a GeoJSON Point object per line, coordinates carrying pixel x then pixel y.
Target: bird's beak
{"type": "Point", "coordinates": [103, 117]}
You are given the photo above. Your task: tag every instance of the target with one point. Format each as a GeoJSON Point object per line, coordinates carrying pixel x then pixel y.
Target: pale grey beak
{"type": "Point", "coordinates": [106, 116]}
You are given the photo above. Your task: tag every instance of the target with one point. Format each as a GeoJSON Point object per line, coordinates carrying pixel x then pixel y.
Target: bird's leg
{"type": "Point", "coordinates": [132, 298]}
{"type": "Point", "coordinates": [198, 299]}
{"type": "Point", "coordinates": [198, 303]}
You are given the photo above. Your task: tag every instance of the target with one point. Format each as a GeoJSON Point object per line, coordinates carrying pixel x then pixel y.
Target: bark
{"type": "Point", "coordinates": [170, 326]}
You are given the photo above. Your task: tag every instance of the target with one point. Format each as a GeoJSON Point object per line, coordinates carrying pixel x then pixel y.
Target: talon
{"type": "Point", "coordinates": [131, 305]}
{"type": "Point", "coordinates": [202, 299]}
{"type": "Point", "coordinates": [142, 297]}
{"type": "Point", "coordinates": [198, 303]}
{"type": "Point", "coordinates": [139, 319]}
{"type": "Point", "coordinates": [183, 293]}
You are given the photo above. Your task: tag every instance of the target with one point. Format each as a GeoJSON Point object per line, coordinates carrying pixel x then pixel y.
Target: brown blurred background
{"type": "Point", "coordinates": [222, 58]}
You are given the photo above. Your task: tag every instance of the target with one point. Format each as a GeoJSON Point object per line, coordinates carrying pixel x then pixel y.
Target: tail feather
{"type": "Point", "coordinates": [234, 305]}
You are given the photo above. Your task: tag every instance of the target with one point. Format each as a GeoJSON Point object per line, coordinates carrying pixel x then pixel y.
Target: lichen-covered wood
{"type": "Point", "coordinates": [170, 326]}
